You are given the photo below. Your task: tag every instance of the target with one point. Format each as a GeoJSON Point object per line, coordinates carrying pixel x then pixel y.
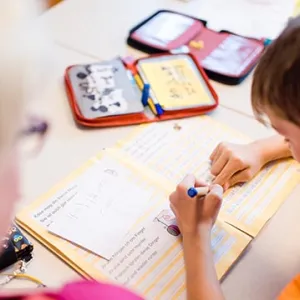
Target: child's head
{"type": "Point", "coordinates": [276, 86]}
{"type": "Point", "coordinates": [15, 71]}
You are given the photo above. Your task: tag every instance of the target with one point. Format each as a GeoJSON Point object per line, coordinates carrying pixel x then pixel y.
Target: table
{"type": "Point", "coordinates": [54, 162]}
{"type": "Point", "coordinates": [84, 33]}
{"type": "Point", "coordinates": [78, 25]}
{"type": "Point", "coordinates": [268, 264]}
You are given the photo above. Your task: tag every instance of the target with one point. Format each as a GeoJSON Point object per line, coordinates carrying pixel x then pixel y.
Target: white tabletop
{"type": "Point", "coordinates": [100, 28]}
{"type": "Point", "coordinates": [55, 162]}
{"type": "Point", "coordinates": [65, 137]}
{"type": "Point", "coordinates": [272, 259]}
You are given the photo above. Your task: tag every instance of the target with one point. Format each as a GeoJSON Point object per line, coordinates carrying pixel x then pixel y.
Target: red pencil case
{"type": "Point", "coordinates": [122, 119]}
{"type": "Point", "coordinates": [226, 57]}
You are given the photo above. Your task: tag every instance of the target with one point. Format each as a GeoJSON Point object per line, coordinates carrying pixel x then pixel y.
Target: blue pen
{"type": "Point", "coordinates": [145, 94]}
{"type": "Point", "coordinates": [192, 192]}
{"type": "Point", "coordinates": [200, 191]}
{"type": "Point", "coordinates": [158, 108]}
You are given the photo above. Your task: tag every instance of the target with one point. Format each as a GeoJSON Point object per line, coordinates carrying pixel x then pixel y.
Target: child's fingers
{"type": "Point", "coordinates": [226, 186]}
{"type": "Point", "coordinates": [215, 194]}
{"type": "Point", "coordinates": [200, 183]}
{"type": "Point", "coordinates": [218, 165]}
{"type": "Point", "coordinates": [226, 173]}
{"type": "Point", "coordinates": [188, 181]}
{"type": "Point", "coordinates": [172, 197]}
{"type": "Point", "coordinates": [215, 197]}
{"type": "Point", "coordinates": [218, 153]}
{"type": "Point", "coordinates": [214, 153]}
{"type": "Point", "coordinates": [239, 177]}
{"type": "Point", "coordinates": [173, 209]}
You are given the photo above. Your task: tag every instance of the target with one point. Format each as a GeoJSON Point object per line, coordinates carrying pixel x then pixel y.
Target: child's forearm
{"type": "Point", "coordinates": [272, 148]}
{"type": "Point", "coordinates": [201, 278]}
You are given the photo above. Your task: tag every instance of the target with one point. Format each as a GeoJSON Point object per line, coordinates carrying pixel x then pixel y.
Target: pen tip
{"type": "Point", "coordinates": [159, 109]}
{"type": "Point", "coordinates": [192, 192]}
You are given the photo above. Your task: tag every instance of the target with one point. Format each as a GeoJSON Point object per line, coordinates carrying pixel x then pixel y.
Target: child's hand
{"type": "Point", "coordinates": [193, 212]}
{"type": "Point", "coordinates": [232, 163]}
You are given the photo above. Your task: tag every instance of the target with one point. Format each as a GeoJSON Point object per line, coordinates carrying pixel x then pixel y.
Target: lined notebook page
{"type": "Point", "coordinates": [150, 259]}
{"type": "Point", "coordinates": [176, 149]}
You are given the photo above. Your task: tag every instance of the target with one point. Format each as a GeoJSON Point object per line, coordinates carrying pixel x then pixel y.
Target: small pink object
{"type": "Point", "coordinates": [92, 290]}
{"type": "Point", "coordinates": [173, 230]}
{"type": "Point", "coordinates": [87, 290]}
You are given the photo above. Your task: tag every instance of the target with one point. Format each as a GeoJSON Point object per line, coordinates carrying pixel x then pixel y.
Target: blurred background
{"type": "Point", "coordinates": [51, 3]}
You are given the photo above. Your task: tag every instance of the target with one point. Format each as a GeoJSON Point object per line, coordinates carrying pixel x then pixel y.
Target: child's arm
{"type": "Point", "coordinates": [201, 278]}
{"type": "Point", "coordinates": [195, 219]}
{"type": "Point", "coordinates": [273, 148]}
{"type": "Point", "coordinates": [232, 164]}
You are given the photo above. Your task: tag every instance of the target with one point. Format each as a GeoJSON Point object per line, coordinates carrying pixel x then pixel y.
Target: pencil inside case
{"type": "Point", "coordinates": [176, 82]}
{"type": "Point", "coordinates": [172, 109]}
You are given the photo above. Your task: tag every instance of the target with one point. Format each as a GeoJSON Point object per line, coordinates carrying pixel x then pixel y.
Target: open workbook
{"type": "Point", "coordinates": [154, 158]}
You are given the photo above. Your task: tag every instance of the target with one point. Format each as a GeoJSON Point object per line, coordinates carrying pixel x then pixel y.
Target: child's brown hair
{"type": "Point", "coordinates": [276, 81]}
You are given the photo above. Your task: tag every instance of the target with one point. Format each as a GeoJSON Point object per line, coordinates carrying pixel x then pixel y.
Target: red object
{"type": "Point", "coordinates": [226, 57]}
{"type": "Point", "coordinates": [183, 39]}
{"type": "Point", "coordinates": [137, 118]}
{"type": "Point", "coordinates": [88, 290]}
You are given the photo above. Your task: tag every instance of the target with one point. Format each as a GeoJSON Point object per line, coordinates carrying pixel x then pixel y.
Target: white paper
{"type": "Point", "coordinates": [107, 204]}
{"type": "Point", "coordinates": [174, 152]}
{"type": "Point", "coordinates": [165, 28]}
{"type": "Point", "coordinates": [151, 259]}
{"type": "Point", "coordinates": [253, 18]}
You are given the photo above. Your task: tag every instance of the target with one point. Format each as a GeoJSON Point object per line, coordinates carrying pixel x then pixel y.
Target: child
{"type": "Point", "coordinates": [17, 71]}
{"type": "Point", "coordinates": [276, 96]}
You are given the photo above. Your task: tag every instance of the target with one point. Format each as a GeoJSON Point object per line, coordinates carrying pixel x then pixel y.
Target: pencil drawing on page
{"type": "Point", "coordinates": [168, 220]}
{"type": "Point", "coordinates": [98, 84]}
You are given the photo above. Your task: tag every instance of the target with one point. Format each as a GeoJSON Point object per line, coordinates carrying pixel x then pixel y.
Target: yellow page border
{"type": "Point", "coordinates": [55, 244]}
